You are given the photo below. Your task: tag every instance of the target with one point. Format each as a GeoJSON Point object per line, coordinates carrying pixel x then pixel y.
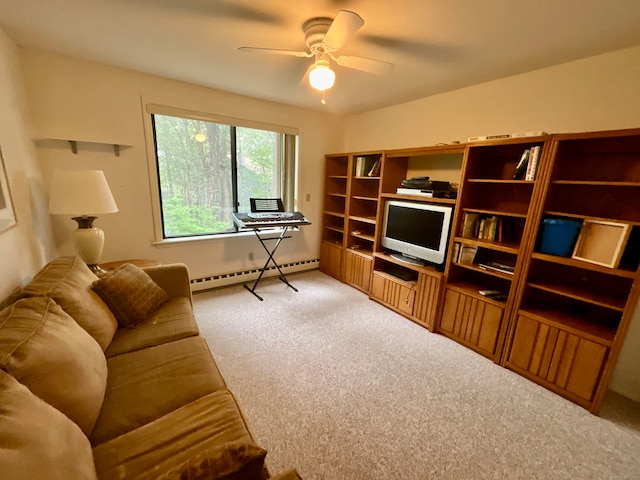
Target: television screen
{"type": "Point", "coordinates": [417, 232]}
{"type": "Point", "coordinates": [419, 227]}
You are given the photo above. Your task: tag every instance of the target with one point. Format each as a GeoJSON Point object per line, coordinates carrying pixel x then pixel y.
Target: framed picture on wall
{"type": "Point", "coordinates": [7, 214]}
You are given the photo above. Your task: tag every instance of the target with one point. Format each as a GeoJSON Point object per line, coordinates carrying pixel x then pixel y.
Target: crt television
{"type": "Point", "coordinates": [417, 233]}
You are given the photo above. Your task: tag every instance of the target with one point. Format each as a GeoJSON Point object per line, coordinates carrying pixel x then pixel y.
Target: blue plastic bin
{"type": "Point", "coordinates": [558, 236]}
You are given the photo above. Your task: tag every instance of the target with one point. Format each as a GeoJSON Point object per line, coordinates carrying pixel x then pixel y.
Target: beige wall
{"type": "Point", "coordinates": [25, 247]}
{"type": "Point", "coordinates": [597, 93]}
{"type": "Point", "coordinates": [76, 99]}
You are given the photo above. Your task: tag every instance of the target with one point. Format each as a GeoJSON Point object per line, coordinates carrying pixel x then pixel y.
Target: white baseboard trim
{"type": "Point", "coordinates": [234, 278]}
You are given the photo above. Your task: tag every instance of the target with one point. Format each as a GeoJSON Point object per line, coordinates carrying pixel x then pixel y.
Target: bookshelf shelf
{"type": "Point", "coordinates": [632, 220]}
{"type": "Point", "coordinates": [370, 220]}
{"type": "Point", "coordinates": [595, 183]}
{"type": "Point", "coordinates": [500, 181]}
{"type": "Point", "coordinates": [500, 213]}
{"type": "Point", "coordinates": [595, 332]}
{"type": "Point", "coordinates": [366, 199]}
{"type": "Point", "coordinates": [492, 245]}
{"type": "Point", "coordinates": [577, 294]}
{"type": "Point", "coordinates": [334, 214]}
{"type": "Point", "coordinates": [476, 267]}
{"type": "Point", "coordinates": [620, 272]}
{"type": "Point", "coordinates": [369, 238]}
{"type": "Point", "coordinates": [472, 290]}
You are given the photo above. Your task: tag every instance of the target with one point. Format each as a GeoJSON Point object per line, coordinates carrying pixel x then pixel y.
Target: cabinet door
{"type": "Point", "coordinates": [357, 270]}
{"type": "Point", "coordinates": [397, 294]}
{"type": "Point", "coordinates": [557, 359]}
{"type": "Point", "coordinates": [471, 321]}
{"type": "Point", "coordinates": [427, 295]}
{"type": "Point", "coordinates": [331, 259]}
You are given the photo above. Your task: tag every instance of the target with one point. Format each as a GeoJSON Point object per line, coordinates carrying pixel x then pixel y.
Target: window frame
{"type": "Point", "coordinates": [288, 172]}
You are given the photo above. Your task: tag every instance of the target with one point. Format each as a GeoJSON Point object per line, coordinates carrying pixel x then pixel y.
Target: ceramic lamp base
{"type": "Point", "coordinates": [89, 241]}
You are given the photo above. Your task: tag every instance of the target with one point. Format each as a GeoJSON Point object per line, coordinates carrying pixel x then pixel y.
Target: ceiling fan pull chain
{"type": "Point", "coordinates": [323, 100]}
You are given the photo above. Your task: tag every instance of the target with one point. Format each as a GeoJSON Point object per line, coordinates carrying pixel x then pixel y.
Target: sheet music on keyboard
{"type": "Point", "coordinates": [269, 219]}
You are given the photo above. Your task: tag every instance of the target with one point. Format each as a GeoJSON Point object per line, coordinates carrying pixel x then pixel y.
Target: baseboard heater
{"type": "Point", "coordinates": [224, 279]}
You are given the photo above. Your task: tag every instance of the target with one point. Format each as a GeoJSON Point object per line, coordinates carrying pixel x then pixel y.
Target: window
{"type": "Point", "coordinates": [208, 170]}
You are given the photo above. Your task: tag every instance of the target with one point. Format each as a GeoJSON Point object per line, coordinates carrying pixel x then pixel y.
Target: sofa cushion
{"type": "Point", "coordinates": [210, 431]}
{"type": "Point", "coordinates": [37, 441]}
{"type": "Point", "coordinates": [46, 350]}
{"type": "Point", "coordinates": [130, 293]}
{"type": "Point", "coordinates": [287, 475]}
{"type": "Point", "coordinates": [146, 384]}
{"type": "Point", "coordinates": [172, 321]}
{"type": "Point", "coordinates": [68, 281]}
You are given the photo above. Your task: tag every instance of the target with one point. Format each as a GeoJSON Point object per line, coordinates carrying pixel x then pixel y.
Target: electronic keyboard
{"type": "Point", "coordinates": [269, 219]}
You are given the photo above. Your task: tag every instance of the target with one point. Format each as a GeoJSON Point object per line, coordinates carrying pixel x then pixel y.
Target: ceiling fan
{"type": "Point", "coordinates": [324, 37]}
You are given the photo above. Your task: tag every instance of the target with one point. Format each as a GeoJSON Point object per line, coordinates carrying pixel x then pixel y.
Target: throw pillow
{"type": "Point", "coordinates": [47, 351]}
{"type": "Point", "coordinates": [37, 441]}
{"type": "Point", "coordinates": [68, 281]}
{"type": "Point", "coordinates": [131, 294]}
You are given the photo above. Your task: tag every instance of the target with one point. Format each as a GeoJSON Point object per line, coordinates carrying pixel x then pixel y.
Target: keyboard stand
{"type": "Point", "coordinates": [270, 253]}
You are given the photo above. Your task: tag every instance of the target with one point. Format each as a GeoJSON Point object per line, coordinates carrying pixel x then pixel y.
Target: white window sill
{"type": "Point", "coordinates": [174, 242]}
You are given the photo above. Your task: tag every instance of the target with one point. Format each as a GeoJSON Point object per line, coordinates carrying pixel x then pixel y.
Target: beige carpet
{"type": "Point", "coordinates": [342, 388]}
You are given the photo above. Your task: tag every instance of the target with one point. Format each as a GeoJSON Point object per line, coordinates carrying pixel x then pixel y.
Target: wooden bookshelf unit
{"type": "Point", "coordinates": [489, 196]}
{"type": "Point", "coordinates": [350, 208]}
{"type": "Point", "coordinates": [561, 319]}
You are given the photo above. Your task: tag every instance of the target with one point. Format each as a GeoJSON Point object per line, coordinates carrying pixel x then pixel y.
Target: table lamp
{"type": "Point", "coordinates": [84, 194]}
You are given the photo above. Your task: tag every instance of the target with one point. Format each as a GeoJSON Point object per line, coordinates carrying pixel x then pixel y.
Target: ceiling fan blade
{"type": "Point", "coordinates": [276, 51]}
{"type": "Point", "coordinates": [344, 26]}
{"type": "Point", "coordinates": [365, 64]}
{"type": "Point", "coordinates": [220, 8]}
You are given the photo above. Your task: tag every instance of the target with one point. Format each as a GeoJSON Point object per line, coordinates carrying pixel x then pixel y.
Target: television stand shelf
{"type": "Point", "coordinates": [411, 290]}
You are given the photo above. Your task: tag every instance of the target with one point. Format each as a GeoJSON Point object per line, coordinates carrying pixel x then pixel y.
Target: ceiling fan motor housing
{"type": "Point", "coordinates": [315, 30]}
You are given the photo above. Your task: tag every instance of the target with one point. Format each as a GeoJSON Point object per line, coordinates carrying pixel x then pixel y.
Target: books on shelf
{"type": "Point", "coordinates": [366, 166]}
{"type": "Point", "coordinates": [521, 167]}
{"type": "Point", "coordinates": [527, 167]}
{"type": "Point", "coordinates": [455, 255]}
{"type": "Point", "coordinates": [467, 254]}
{"type": "Point", "coordinates": [482, 227]}
{"type": "Point", "coordinates": [469, 224]}
{"type": "Point", "coordinates": [360, 166]}
{"type": "Point", "coordinates": [532, 164]}
{"type": "Point", "coordinates": [375, 169]}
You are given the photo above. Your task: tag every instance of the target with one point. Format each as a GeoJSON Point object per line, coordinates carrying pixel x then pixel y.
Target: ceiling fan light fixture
{"type": "Point", "coordinates": [321, 77]}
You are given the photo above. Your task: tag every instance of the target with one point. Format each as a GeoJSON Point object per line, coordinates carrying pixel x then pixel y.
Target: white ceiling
{"type": "Point", "coordinates": [436, 45]}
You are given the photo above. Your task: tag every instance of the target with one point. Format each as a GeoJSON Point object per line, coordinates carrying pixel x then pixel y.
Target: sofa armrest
{"type": "Point", "coordinates": [173, 278]}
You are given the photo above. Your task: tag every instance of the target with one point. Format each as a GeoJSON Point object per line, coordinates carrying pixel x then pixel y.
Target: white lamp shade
{"type": "Point", "coordinates": [321, 77]}
{"type": "Point", "coordinates": [80, 192]}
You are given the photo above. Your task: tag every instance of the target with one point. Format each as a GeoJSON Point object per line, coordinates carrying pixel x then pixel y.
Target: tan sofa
{"type": "Point", "coordinates": [83, 398]}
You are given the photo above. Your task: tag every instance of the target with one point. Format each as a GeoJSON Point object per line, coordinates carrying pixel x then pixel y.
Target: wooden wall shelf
{"type": "Point", "coordinates": [74, 144]}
